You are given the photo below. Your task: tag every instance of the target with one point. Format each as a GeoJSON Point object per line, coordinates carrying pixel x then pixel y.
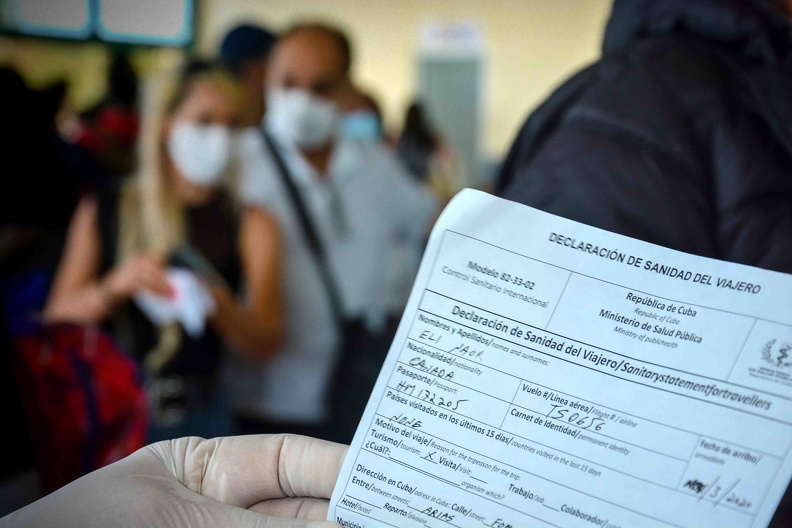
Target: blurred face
{"type": "Point", "coordinates": [205, 103]}
{"type": "Point", "coordinates": [310, 61]}
{"type": "Point", "coordinates": [199, 133]}
{"type": "Point", "coordinates": [361, 121]}
{"type": "Point", "coordinates": [305, 86]}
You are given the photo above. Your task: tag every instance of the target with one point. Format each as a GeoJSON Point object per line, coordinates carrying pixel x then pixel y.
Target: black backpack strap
{"type": "Point", "coordinates": [108, 200]}
{"type": "Point", "coordinates": [308, 229]}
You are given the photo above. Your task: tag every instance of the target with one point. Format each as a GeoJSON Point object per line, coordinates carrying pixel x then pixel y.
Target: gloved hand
{"type": "Point", "coordinates": [266, 481]}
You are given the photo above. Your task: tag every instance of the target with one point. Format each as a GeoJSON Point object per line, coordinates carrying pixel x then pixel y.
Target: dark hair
{"type": "Point", "coordinates": [122, 81]}
{"type": "Point", "coordinates": [341, 38]}
{"type": "Point", "coordinates": [417, 128]}
{"type": "Point", "coordinates": [245, 42]}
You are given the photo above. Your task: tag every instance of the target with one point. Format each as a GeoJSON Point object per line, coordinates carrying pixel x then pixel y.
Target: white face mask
{"type": "Point", "coordinates": [302, 118]}
{"type": "Point", "coordinates": [201, 152]}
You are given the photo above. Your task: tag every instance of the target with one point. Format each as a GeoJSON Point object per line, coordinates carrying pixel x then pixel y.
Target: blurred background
{"type": "Point", "coordinates": [480, 67]}
{"type": "Point", "coordinates": [215, 209]}
{"type": "Point", "coordinates": [96, 119]}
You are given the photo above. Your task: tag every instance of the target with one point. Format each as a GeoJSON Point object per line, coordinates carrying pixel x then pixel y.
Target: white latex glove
{"type": "Point", "coordinates": [266, 481]}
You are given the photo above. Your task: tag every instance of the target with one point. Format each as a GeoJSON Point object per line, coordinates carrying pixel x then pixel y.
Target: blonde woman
{"type": "Point", "coordinates": [121, 242]}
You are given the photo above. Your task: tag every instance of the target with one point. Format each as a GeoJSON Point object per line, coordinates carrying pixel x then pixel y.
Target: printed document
{"type": "Point", "coordinates": [547, 373]}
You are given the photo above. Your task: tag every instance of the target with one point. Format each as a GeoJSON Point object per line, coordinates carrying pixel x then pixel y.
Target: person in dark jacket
{"type": "Point", "coordinates": [681, 135]}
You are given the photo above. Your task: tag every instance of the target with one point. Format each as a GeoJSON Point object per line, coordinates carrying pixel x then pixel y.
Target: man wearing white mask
{"type": "Point", "coordinates": [360, 207]}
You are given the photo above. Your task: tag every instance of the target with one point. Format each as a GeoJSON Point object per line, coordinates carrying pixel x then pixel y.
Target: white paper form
{"type": "Point", "coordinates": [547, 373]}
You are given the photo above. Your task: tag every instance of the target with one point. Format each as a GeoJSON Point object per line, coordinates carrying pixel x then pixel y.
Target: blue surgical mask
{"type": "Point", "coordinates": [361, 125]}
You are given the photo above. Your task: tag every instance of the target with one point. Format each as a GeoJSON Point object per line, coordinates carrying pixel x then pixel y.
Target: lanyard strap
{"type": "Point", "coordinates": [309, 231]}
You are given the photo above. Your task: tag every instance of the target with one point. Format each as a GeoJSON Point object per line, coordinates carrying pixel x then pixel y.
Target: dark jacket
{"type": "Point", "coordinates": [681, 135]}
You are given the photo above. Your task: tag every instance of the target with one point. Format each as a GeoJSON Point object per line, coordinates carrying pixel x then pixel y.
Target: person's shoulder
{"type": "Point", "coordinates": [686, 63]}
{"type": "Point", "coordinates": [260, 221]}
{"type": "Point", "coordinates": [664, 91]}
{"type": "Point", "coordinates": [678, 72]}
{"type": "Point", "coordinates": [256, 169]}
{"type": "Point", "coordinates": [374, 154]}
{"type": "Point", "coordinates": [359, 161]}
